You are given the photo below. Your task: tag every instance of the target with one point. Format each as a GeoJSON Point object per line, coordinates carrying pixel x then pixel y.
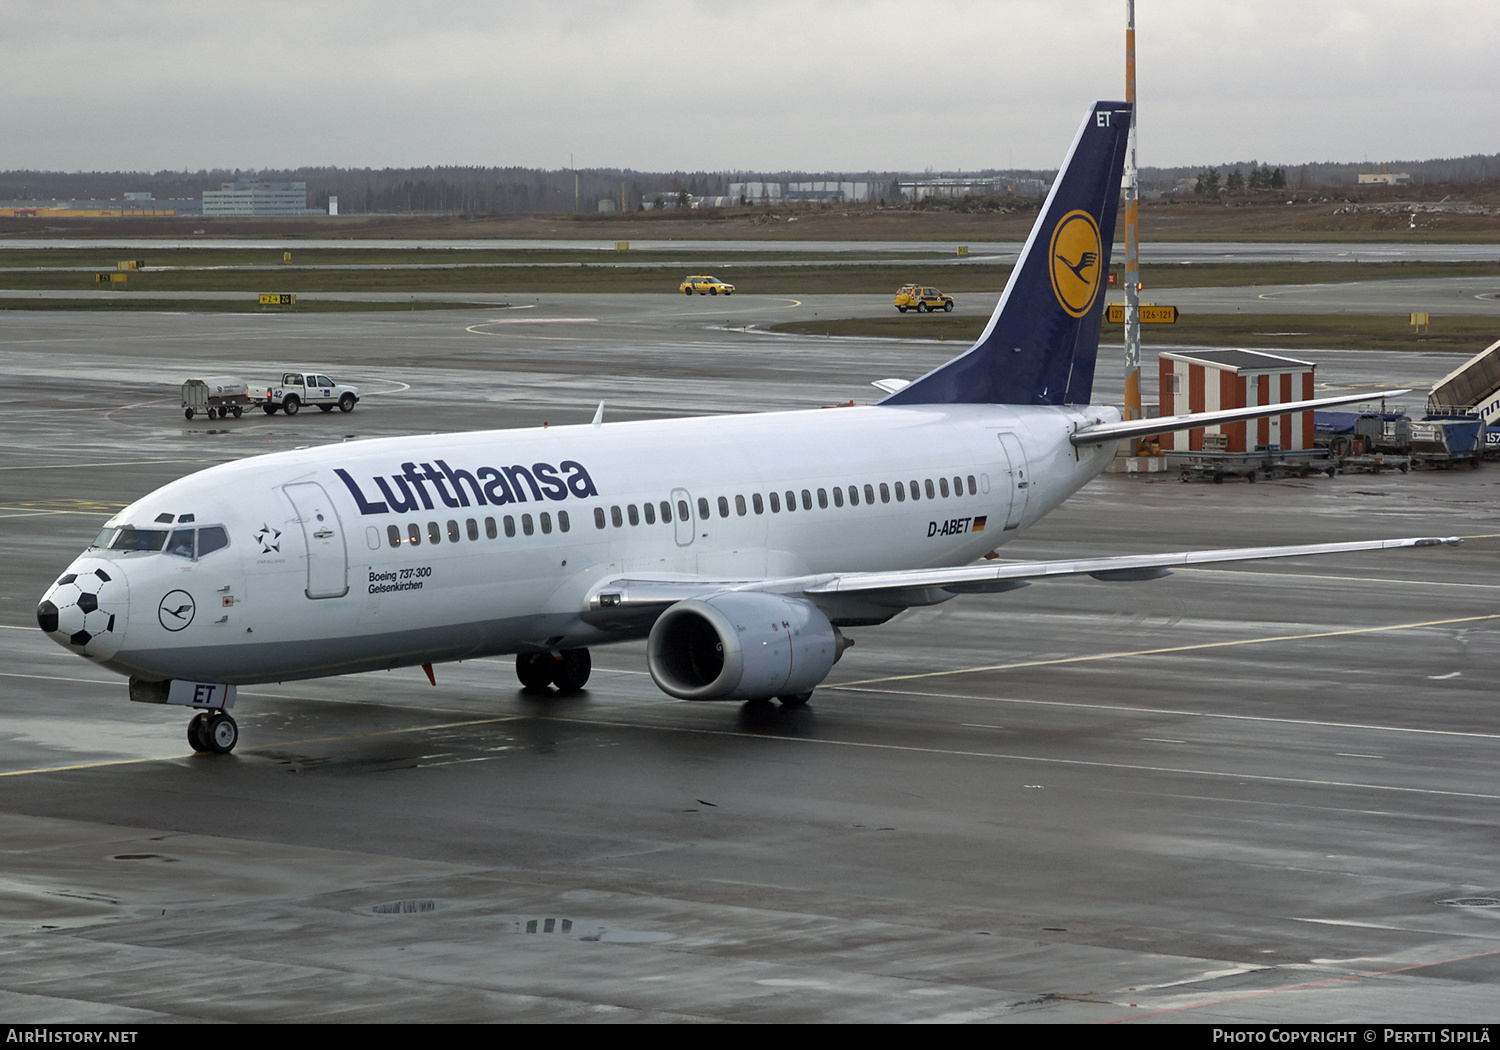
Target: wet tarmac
{"type": "Point", "coordinates": [1252, 794]}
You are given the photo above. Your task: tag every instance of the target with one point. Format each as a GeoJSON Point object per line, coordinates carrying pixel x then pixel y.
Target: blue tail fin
{"type": "Point", "coordinates": [1040, 345]}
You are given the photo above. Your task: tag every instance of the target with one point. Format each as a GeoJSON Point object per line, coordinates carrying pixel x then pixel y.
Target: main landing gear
{"type": "Point", "coordinates": [213, 731]}
{"type": "Point", "coordinates": [568, 669]}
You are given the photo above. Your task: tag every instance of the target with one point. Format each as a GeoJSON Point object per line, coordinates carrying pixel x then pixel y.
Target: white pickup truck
{"type": "Point", "coordinates": [309, 388]}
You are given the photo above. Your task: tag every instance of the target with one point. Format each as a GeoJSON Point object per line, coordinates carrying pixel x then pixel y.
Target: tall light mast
{"type": "Point", "coordinates": [1132, 235]}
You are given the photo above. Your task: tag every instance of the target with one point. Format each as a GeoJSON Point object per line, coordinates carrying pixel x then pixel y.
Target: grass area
{"type": "Point", "coordinates": [224, 306]}
{"type": "Point", "coordinates": [759, 280]}
{"type": "Point", "coordinates": [1459, 335]}
{"type": "Point", "coordinates": [107, 258]}
{"type": "Point", "coordinates": [595, 272]}
{"type": "Point", "coordinates": [1228, 275]}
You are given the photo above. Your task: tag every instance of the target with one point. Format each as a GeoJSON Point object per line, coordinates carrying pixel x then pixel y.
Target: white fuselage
{"type": "Point", "coordinates": [401, 551]}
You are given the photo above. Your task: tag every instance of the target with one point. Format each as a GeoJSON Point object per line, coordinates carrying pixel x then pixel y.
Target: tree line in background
{"type": "Point", "coordinates": [1237, 182]}
{"type": "Point", "coordinates": [463, 190]}
{"type": "Point", "coordinates": [514, 190]}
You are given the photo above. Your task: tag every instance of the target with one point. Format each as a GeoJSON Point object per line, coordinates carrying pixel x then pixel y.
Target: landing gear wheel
{"type": "Point", "coordinates": [290, 406]}
{"type": "Point", "coordinates": [196, 735]}
{"type": "Point", "coordinates": [346, 403]}
{"type": "Point", "coordinates": [570, 670]}
{"type": "Point", "coordinates": [221, 733]}
{"type": "Point", "coordinates": [795, 699]}
{"type": "Point", "coordinates": [534, 670]}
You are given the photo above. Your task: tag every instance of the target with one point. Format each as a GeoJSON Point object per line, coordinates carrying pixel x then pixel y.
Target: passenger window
{"type": "Point", "coordinates": [916, 489]}
{"type": "Point", "coordinates": [791, 501]}
{"type": "Point", "coordinates": [666, 512]}
{"type": "Point", "coordinates": [973, 486]}
{"type": "Point", "coordinates": [393, 533]}
{"type": "Point", "coordinates": [943, 487]}
{"type": "Point", "coordinates": [806, 500]}
{"type": "Point", "coordinates": [562, 521]}
{"type": "Point", "coordinates": [739, 505]}
{"type": "Point", "coordinates": [616, 517]}
{"type": "Point", "coordinates": [633, 514]}
{"type": "Point", "coordinates": [838, 497]}
{"type": "Point", "coordinates": [473, 528]}
{"type": "Point", "coordinates": [958, 486]}
{"type": "Point", "coordinates": [900, 492]}
{"type": "Point", "coordinates": [682, 510]}
{"type": "Point", "coordinates": [414, 534]}
{"type": "Point", "coordinates": [598, 517]}
{"type": "Point", "coordinates": [546, 523]}
{"type": "Point", "coordinates": [853, 495]}
{"type": "Point", "coordinates": [723, 507]}
{"type": "Point", "coordinates": [650, 512]}
{"type": "Point", "coordinates": [759, 504]}
{"type": "Point", "coordinates": [434, 534]}
{"type": "Point", "coordinates": [510, 525]}
{"type": "Point", "coordinates": [930, 493]}
{"type": "Point", "coordinates": [702, 508]}
{"type": "Point", "coordinates": [526, 524]}
{"type": "Point", "coordinates": [489, 527]}
{"type": "Point", "coordinates": [775, 503]}
{"type": "Point", "coordinates": [870, 494]}
{"type": "Point", "coordinates": [452, 532]}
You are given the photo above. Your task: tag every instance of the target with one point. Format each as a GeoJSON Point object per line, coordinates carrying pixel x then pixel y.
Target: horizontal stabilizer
{"type": "Point", "coordinates": [1131, 428]}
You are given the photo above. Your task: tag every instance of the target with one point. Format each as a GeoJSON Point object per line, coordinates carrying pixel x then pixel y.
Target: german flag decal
{"type": "Point", "coordinates": [978, 525]}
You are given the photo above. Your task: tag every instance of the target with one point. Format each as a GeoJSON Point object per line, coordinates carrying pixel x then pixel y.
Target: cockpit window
{"type": "Point", "coordinates": [131, 538]}
{"type": "Point", "coordinates": [185, 543]}
{"type": "Point", "coordinates": [211, 538]}
{"type": "Point", "coordinates": [181, 542]}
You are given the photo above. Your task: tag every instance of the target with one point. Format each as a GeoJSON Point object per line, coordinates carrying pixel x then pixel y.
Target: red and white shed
{"type": "Point", "coordinates": [1210, 380]}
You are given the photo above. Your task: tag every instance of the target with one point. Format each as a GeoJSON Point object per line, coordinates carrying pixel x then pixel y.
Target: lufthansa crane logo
{"type": "Point", "coordinates": [1075, 254]}
{"type": "Point", "coordinates": [176, 610]}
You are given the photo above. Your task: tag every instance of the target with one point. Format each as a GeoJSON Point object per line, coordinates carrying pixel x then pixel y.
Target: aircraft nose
{"type": "Point", "coordinates": [85, 611]}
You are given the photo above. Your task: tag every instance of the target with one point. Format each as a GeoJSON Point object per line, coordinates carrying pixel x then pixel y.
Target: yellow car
{"type": "Point", "coordinates": [915, 297]}
{"type": "Point", "coordinates": [705, 285]}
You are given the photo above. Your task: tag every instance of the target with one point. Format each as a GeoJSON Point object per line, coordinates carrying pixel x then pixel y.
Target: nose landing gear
{"type": "Point", "coordinates": [213, 731]}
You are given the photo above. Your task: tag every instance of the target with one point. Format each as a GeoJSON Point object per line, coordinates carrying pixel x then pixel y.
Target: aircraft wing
{"type": "Point", "coordinates": [627, 603]}
{"type": "Point", "coordinates": [1130, 428]}
{"type": "Point", "coordinates": [1000, 576]}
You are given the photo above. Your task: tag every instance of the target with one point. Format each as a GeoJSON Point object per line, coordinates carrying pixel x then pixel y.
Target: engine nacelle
{"type": "Point", "coordinates": [742, 646]}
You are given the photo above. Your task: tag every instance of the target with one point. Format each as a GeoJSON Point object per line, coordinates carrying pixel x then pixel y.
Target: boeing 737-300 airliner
{"type": "Point", "coordinates": [739, 546]}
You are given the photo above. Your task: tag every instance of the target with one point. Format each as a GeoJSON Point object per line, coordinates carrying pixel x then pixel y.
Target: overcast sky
{"type": "Point", "coordinates": [819, 86]}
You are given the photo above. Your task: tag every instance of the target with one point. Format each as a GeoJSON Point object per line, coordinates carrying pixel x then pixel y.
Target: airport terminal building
{"type": "Point", "coordinates": [247, 197]}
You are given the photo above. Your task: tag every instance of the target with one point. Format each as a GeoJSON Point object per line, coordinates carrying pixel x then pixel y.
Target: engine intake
{"type": "Point", "coordinates": [742, 646]}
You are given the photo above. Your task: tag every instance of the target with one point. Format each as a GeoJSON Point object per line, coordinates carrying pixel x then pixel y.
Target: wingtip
{"type": "Point", "coordinates": [1439, 541]}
